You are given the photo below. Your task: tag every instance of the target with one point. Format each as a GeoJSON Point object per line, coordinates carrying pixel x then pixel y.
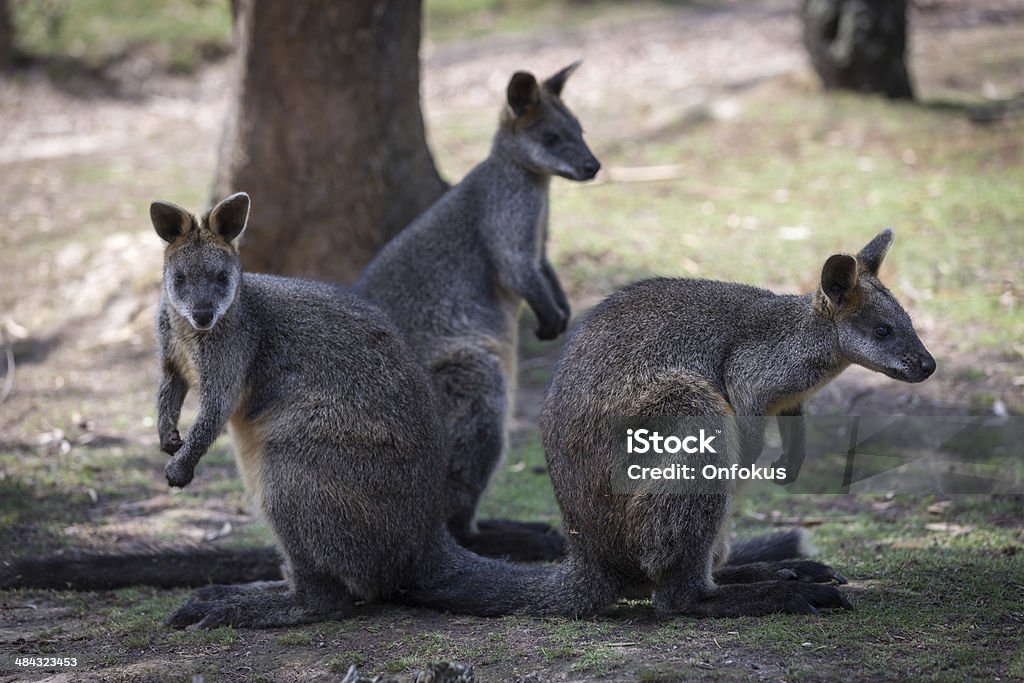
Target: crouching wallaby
{"type": "Point", "coordinates": [454, 281]}
{"type": "Point", "coordinates": [705, 350]}
{"type": "Point", "coordinates": [335, 431]}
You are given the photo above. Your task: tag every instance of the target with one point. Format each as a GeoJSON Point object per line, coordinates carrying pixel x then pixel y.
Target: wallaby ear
{"type": "Point", "coordinates": [229, 217]}
{"type": "Point", "coordinates": [555, 83]}
{"type": "Point", "coordinates": [522, 92]}
{"type": "Point", "coordinates": [170, 220]}
{"type": "Point", "coordinates": [872, 255]}
{"type": "Point", "coordinates": [839, 277]}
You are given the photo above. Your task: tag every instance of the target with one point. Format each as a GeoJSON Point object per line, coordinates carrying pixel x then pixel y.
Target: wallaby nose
{"type": "Point", "coordinates": [927, 364]}
{"type": "Point", "coordinates": [202, 316]}
{"type": "Point", "coordinates": [590, 168]}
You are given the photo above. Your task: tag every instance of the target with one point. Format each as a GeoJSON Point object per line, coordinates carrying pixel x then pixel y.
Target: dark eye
{"type": "Point", "coordinates": [883, 331]}
{"type": "Point", "coordinates": [550, 139]}
{"type": "Point", "coordinates": [179, 278]}
{"type": "Point", "coordinates": [222, 277]}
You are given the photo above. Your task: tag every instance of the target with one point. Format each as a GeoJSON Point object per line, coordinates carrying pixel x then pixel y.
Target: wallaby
{"type": "Point", "coordinates": [707, 350]}
{"type": "Point", "coordinates": [336, 433]}
{"type": "Point", "coordinates": [454, 281]}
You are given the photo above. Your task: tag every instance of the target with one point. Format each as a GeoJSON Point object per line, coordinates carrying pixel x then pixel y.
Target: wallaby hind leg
{"type": "Point", "coordinates": [311, 598]}
{"type": "Point", "coordinates": [472, 393]}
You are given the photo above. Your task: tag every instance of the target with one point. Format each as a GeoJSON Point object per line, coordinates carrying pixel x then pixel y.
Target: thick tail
{"type": "Point", "coordinates": [516, 541]}
{"type": "Point", "coordinates": [784, 545]}
{"type": "Point", "coordinates": [186, 567]}
{"type": "Point", "coordinates": [465, 583]}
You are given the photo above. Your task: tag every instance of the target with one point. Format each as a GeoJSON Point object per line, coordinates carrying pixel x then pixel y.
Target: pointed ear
{"type": "Point", "coordinates": [872, 255]}
{"type": "Point", "coordinates": [170, 220]}
{"type": "Point", "coordinates": [522, 92]}
{"type": "Point", "coordinates": [228, 218]}
{"type": "Point", "coordinates": [555, 83]}
{"type": "Point", "coordinates": [839, 278]}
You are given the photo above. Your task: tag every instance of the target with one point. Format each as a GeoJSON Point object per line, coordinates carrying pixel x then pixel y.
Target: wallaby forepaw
{"type": "Point", "coordinates": [171, 442]}
{"type": "Point", "coordinates": [549, 330]}
{"type": "Point", "coordinates": [179, 473]}
{"type": "Point", "coordinates": [791, 472]}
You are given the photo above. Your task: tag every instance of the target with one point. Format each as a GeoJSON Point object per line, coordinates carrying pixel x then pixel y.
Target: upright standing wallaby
{"type": "Point", "coordinates": [705, 350]}
{"type": "Point", "coordinates": [454, 281]}
{"type": "Point", "coordinates": [335, 429]}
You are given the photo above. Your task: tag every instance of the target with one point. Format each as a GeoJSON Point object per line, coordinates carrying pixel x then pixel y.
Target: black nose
{"type": "Point", "coordinates": [927, 364]}
{"type": "Point", "coordinates": [590, 168]}
{"type": "Point", "coordinates": [202, 316]}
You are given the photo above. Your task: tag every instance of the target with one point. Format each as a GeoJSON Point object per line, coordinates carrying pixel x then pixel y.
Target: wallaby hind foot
{"type": "Point", "coordinates": [265, 604]}
{"type": "Point", "coordinates": [691, 597]}
{"type": "Point", "coordinates": [793, 570]}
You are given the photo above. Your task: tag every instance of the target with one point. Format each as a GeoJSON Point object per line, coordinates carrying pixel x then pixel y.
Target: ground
{"type": "Point", "coordinates": [722, 159]}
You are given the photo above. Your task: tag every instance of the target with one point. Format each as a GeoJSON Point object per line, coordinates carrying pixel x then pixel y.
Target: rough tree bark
{"type": "Point", "coordinates": [859, 44]}
{"type": "Point", "coordinates": [326, 132]}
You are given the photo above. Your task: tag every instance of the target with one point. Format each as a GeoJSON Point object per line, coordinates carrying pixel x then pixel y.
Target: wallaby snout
{"type": "Point", "coordinates": [202, 316]}
{"type": "Point", "coordinates": [589, 168]}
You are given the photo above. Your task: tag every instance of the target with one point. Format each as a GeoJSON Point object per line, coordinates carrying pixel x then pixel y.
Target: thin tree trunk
{"type": "Point", "coordinates": [859, 45]}
{"type": "Point", "coordinates": [326, 132]}
{"type": "Point", "coordinates": [6, 37]}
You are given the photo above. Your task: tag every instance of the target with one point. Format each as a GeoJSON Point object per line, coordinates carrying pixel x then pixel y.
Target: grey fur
{"type": "Point", "coordinates": [336, 433]}
{"type": "Point", "coordinates": [707, 350]}
{"type": "Point", "coordinates": [455, 279]}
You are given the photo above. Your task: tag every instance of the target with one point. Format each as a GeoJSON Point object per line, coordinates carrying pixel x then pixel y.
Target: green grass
{"type": "Point", "coordinates": [177, 33]}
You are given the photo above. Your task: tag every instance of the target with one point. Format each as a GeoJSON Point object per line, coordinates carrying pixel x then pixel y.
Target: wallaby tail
{"type": "Point", "coordinates": [163, 568]}
{"type": "Point", "coordinates": [783, 545]}
{"type": "Point", "coordinates": [463, 582]}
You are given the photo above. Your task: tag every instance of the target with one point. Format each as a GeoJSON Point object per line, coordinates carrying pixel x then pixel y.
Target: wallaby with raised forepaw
{"type": "Point", "coordinates": [335, 429]}
{"type": "Point", "coordinates": [705, 350]}
{"type": "Point", "coordinates": [455, 279]}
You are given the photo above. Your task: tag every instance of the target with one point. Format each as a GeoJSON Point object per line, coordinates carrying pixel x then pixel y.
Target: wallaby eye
{"type": "Point", "coordinates": [550, 139]}
{"type": "Point", "coordinates": [222, 277]}
{"type": "Point", "coordinates": [883, 331]}
{"type": "Point", "coordinates": [179, 278]}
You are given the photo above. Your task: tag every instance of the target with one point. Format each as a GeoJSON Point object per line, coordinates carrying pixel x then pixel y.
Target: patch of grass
{"type": "Point", "coordinates": [223, 635]}
{"type": "Point", "coordinates": [521, 489]}
{"type": "Point", "coordinates": [599, 661]}
{"type": "Point", "coordinates": [294, 637]}
{"type": "Point", "coordinates": [177, 34]}
{"type": "Point", "coordinates": [340, 664]}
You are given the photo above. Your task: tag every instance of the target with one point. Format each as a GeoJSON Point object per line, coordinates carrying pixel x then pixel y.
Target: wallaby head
{"type": "Point", "coordinates": [873, 329]}
{"type": "Point", "coordinates": [202, 269]}
{"type": "Point", "coordinates": [540, 130]}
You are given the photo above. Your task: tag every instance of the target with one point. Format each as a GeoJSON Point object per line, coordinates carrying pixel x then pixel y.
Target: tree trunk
{"type": "Point", "coordinates": [859, 44]}
{"type": "Point", "coordinates": [6, 37]}
{"type": "Point", "coordinates": [326, 133]}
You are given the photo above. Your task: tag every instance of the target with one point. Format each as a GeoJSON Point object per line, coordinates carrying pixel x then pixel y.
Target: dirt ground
{"type": "Point", "coordinates": [79, 279]}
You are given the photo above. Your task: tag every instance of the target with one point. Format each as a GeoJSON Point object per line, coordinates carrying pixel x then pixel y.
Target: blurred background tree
{"type": "Point", "coordinates": [6, 37]}
{"type": "Point", "coordinates": [326, 132]}
{"type": "Point", "coordinates": [859, 45]}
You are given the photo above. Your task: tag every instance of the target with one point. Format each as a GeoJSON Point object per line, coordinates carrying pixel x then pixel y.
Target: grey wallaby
{"type": "Point", "coordinates": [454, 281]}
{"type": "Point", "coordinates": [710, 350]}
{"type": "Point", "coordinates": [335, 431]}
